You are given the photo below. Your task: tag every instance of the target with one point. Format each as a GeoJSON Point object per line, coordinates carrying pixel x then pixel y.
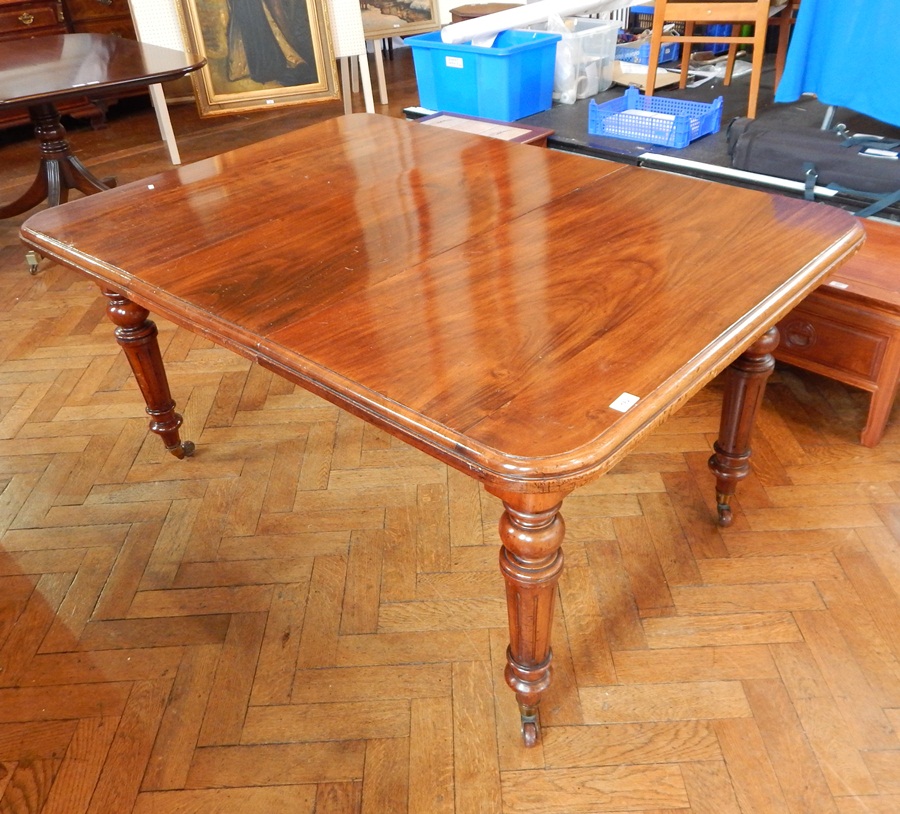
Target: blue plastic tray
{"type": "Point", "coordinates": [654, 119]}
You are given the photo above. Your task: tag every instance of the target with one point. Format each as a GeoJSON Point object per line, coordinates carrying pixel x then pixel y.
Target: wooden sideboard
{"type": "Point", "coordinates": [849, 328]}
{"type": "Point", "coordinates": [31, 18]}
{"type": "Point", "coordinates": [20, 19]}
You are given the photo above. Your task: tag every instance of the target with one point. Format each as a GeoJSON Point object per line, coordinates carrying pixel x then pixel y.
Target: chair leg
{"type": "Point", "coordinates": [759, 48]}
{"type": "Point", "coordinates": [379, 72]}
{"type": "Point", "coordinates": [659, 20]}
{"type": "Point", "coordinates": [686, 53]}
{"type": "Point", "coordinates": [346, 90]}
{"type": "Point", "coordinates": [785, 22]}
{"type": "Point", "coordinates": [729, 63]}
{"type": "Point", "coordinates": [732, 55]}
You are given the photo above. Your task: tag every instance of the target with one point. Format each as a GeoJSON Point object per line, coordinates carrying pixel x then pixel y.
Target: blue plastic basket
{"type": "Point", "coordinates": [639, 52]}
{"type": "Point", "coordinates": [717, 30]}
{"type": "Point", "coordinates": [510, 80]}
{"type": "Point", "coordinates": [676, 123]}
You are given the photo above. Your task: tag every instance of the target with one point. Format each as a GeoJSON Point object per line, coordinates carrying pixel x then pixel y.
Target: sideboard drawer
{"type": "Point", "coordinates": [100, 17]}
{"type": "Point", "coordinates": [22, 19]}
{"type": "Point", "coordinates": [97, 9]}
{"type": "Point", "coordinates": [118, 27]}
{"type": "Point", "coordinates": [847, 343]}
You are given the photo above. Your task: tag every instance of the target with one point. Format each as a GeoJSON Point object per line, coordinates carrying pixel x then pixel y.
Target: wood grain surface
{"type": "Point", "coordinates": [485, 301]}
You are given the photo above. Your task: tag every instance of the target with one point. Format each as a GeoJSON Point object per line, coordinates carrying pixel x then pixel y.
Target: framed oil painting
{"type": "Point", "coordinates": [398, 18]}
{"type": "Point", "coordinates": [260, 53]}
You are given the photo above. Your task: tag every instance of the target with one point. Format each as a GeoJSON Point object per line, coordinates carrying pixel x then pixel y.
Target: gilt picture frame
{"type": "Point", "coordinates": [398, 18]}
{"type": "Point", "coordinates": [260, 53]}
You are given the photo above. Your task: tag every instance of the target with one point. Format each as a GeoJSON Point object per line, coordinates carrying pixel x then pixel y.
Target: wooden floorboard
{"type": "Point", "coordinates": [307, 616]}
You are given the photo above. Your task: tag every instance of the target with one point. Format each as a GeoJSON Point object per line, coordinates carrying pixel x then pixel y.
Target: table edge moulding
{"type": "Point", "coordinates": [522, 315]}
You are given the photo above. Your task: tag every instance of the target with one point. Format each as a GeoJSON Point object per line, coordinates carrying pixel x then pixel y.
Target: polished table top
{"type": "Point", "coordinates": [492, 301]}
{"type": "Point", "coordinates": [521, 314]}
{"type": "Point", "coordinates": [65, 66]}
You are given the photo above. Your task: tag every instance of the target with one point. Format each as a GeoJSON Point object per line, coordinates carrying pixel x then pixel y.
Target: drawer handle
{"type": "Point", "coordinates": [799, 334]}
{"type": "Point", "coordinates": [105, 2]}
{"type": "Point", "coordinates": [25, 18]}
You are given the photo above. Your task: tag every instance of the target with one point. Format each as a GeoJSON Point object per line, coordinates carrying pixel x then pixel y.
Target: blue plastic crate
{"type": "Point", "coordinates": [510, 80]}
{"type": "Point", "coordinates": [639, 52]}
{"type": "Point", "coordinates": [673, 123]}
{"type": "Point", "coordinates": [717, 30]}
{"type": "Point", "coordinates": [641, 17]}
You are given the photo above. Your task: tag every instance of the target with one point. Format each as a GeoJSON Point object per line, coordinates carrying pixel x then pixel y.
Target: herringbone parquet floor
{"type": "Point", "coordinates": [307, 616]}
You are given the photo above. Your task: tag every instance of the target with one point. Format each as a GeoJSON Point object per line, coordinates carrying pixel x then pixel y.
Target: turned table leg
{"type": "Point", "coordinates": [745, 386]}
{"type": "Point", "coordinates": [138, 337]}
{"type": "Point", "coordinates": [531, 530]}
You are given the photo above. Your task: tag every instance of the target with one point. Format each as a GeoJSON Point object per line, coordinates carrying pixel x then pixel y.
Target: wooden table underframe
{"type": "Point", "coordinates": [489, 303]}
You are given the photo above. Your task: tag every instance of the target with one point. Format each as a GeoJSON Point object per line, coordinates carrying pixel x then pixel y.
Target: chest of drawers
{"type": "Point", "coordinates": [34, 18]}
{"type": "Point", "coordinates": [100, 17]}
{"type": "Point", "coordinates": [849, 329]}
{"type": "Point", "coordinates": [30, 19]}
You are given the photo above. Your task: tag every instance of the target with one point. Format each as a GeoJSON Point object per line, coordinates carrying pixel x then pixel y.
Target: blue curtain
{"type": "Point", "coordinates": [847, 52]}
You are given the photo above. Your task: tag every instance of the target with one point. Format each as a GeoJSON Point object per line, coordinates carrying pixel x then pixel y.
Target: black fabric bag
{"type": "Point", "coordinates": [862, 166]}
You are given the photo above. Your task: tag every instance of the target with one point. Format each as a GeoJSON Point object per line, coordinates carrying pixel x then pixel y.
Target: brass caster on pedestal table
{"type": "Point", "coordinates": [32, 258]}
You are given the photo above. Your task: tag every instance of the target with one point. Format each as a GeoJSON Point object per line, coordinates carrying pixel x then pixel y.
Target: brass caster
{"type": "Point", "coordinates": [32, 259]}
{"type": "Point", "coordinates": [183, 450]}
{"type": "Point", "coordinates": [531, 730]}
{"type": "Point", "coordinates": [724, 512]}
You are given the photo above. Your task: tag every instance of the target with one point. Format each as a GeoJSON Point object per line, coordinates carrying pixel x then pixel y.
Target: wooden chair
{"type": "Point", "coordinates": [737, 12]}
{"type": "Point", "coordinates": [784, 20]}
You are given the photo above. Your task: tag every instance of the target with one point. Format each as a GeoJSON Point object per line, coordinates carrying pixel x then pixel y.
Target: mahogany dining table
{"type": "Point", "coordinates": [41, 72]}
{"type": "Point", "coordinates": [523, 315]}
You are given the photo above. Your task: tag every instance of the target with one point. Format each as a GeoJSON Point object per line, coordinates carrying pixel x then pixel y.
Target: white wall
{"type": "Point", "coordinates": [158, 22]}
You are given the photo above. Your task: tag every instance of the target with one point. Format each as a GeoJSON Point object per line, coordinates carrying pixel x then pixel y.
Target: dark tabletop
{"type": "Point", "coordinates": [50, 69]}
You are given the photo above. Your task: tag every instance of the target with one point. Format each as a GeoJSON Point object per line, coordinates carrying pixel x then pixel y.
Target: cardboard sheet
{"type": "Point", "coordinates": [628, 73]}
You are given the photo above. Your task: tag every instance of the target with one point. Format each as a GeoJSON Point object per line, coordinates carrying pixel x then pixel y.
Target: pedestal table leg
{"type": "Point", "coordinates": [531, 531]}
{"type": "Point", "coordinates": [746, 384]}
{"type": "Point", "coordinates": [59, 170]}
{"type": "Point", "coordinates": [138, 337]}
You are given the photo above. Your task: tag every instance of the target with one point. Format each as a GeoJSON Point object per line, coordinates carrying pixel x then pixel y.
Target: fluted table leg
{"type": "Point", "coordinates": [745, 386]}
{"type": "Point", "coordinates": [531, 531]}
{"type": "Point", "coordinates": [138, 337]}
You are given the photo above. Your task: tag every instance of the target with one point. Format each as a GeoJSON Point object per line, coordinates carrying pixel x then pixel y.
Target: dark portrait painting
{"type": "Point", "coordinates": [260, 53]}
